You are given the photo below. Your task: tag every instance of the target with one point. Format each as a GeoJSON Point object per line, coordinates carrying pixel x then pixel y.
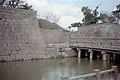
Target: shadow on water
{"type": "Point", "coordinates": [50, 69]}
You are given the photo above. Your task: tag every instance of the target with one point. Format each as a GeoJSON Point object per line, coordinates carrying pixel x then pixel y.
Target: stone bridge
{"type": "Point", "coordinates": [100, 41]}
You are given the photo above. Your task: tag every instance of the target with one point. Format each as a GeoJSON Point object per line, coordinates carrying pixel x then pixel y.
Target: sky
{"type": "Point", "coordinates": [69, 11]}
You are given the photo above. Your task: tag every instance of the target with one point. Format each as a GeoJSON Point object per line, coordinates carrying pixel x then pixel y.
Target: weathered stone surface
{"type": "Point", "coordinates": [22, 39]}
{"type": "Point", "coordinates": [56, 40]}
{"type": "Point", "coordinates": [20, 36]}
{"type": "Point", "coordinates": [104, 36]}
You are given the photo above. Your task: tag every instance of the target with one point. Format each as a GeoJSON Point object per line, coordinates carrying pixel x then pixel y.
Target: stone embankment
{"type": "Point", "coordinates": [22, 39]}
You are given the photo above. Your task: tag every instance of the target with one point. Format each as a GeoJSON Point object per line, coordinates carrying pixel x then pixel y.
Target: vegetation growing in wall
{"type": "Point", "coordinates": [116, 13]}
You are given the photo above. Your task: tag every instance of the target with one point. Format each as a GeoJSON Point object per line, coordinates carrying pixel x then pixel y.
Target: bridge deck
{"type": "Point", "coordinates": [98, 49]}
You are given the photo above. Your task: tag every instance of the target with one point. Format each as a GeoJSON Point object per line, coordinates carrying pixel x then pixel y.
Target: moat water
{"type": "Point", "coordinates": [50, 69]}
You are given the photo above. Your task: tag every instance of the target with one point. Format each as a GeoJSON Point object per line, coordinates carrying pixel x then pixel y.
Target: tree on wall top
{"type": "Point", "coordinates": [2, 2]}
{"type": "Point", "coordinates": [15, 4]}
{"type": "Point", "coordinates": [90, 17]}
{"type": "Point", "coordinates": [93, 17]}
{"type": "Point", "coordinates": [76, 24]}
{"type": "Point", "coordinates": [116, 13]}
{"type": "Point", "coordinates": [10, 3]}
{"type": "Point", "coordinates": [26, 6]}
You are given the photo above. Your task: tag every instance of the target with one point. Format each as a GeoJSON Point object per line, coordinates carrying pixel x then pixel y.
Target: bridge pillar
{"type": "Point", "coordinates": [91, 54]}
{"type": "Point", "coordinates": [79, 52]}
{"type": "Point", "coordinates": [114, 56]}
{"type": "Point", "coordinates": [104, 54]}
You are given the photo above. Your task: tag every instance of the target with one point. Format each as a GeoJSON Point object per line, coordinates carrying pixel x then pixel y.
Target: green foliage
{"type": "Point", "coordinates": [69, 27]}
{"type": "Point", "coordinates": [76, 24]}
{"type": "Point", "coordinates": [105, 18]}
{"type": "Point", "coordinates": [93, 16]}
{"type": "Point", "coordinates": [113, 18]}
{"type": "Point", "coordinates": [116, 13]}
{"type": "Point", "coordinates": [2, 2]}
{"type": "Point", "coordinates": [90, 17]}
{"type": "Point", "coordinates": [26, 6]}
{"type": "Point", "coordinates": [16, 4]}
{"type": "Point", "coordinates": [11, 3]}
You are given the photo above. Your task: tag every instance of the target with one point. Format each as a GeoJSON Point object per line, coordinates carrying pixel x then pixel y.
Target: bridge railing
{"type": "Point", "coordinates": [112, 74]}
{"type": "Point", "coordinates": [96, 41]}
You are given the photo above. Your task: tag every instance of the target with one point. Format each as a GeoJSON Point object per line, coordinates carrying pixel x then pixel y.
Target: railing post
{"type": "Point", "coordinates": [97, 72]}
{"type": "Point", "coordinates": [64, 78]}
{"type": "Point", "coordinates": [116, 72]}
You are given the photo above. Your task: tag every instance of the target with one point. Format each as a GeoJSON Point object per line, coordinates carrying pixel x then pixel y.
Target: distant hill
{"type": "Point", "coordinates": [49, 26]}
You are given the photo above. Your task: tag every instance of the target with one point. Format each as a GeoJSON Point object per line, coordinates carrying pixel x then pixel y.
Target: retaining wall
{"type": "Point", "coordinates": [20, 35]}
{"type": "Point", "coordinates": [104, 36]}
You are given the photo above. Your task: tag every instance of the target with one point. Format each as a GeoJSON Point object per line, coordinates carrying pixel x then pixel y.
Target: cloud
{"type": "Point", "coordinates": [65, 21]}
{"type": "Point", "coordinates": [68, 13]}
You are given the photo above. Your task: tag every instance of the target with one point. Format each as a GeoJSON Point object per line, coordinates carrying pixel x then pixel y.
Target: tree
{"type": "Point", "coordinates": [52, 18]}
{"type": "Point", "coordinates": [117, 9]}
{"type": "Point", "coordinates": [116, 13]}
{"type": "Point", "coordinates": [26, 6]}
{"type": "Point", "coordinates": [2, 2]}
{"type": "Point", "coordinates": [105, 18]}
{"type": "Point", "coordinates": [69, 27]}
{"type": "Point", "coordinates": [16, 4]}
{"type": "Point", "coordinates": [90, 17]}
{"type": "Point", "coordinates": [12, 3]}
{"type": "Point", "coordinates": [76, 24]}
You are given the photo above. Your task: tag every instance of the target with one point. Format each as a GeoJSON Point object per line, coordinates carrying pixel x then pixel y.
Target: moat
{"type": "Point", "coordinates": [50, 69]}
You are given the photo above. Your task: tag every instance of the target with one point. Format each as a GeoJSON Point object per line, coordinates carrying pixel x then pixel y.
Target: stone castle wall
{"type": "Point", "coordinates": [53, 36]}
{"type": "Point", "coordinates": [20, 35]}
{"type": "Point", "coordinates": [56, 40]}
{"type": "Point", "coordinates": [22, 39]}
{"type": "Point", "coordinates": [104, 36]}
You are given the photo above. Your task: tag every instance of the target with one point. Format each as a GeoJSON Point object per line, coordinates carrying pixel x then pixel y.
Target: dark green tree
{"type": "Point", "coordinates": [90, 17]}
{"type": "Point", "coordinates": [12, 3]}
{"type": "Point", "coordinates": [2, 2]}
{"type": "Point", "coordinates": [26, 6]}
{"type": "Point", "coordinates": [105, 18]}
{"type": "Point", "coordinates": [76, 24]}
{"type": "Point", "coordinates": [116, 13]}
{"type": "Point", "coordinates": [16, 4]}
{"type": "Point", "coordinates": [69, 27]}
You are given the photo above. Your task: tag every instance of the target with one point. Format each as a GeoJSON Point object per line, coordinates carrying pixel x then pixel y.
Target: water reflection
{"type": "Point", "coordinates": [49, 69]}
